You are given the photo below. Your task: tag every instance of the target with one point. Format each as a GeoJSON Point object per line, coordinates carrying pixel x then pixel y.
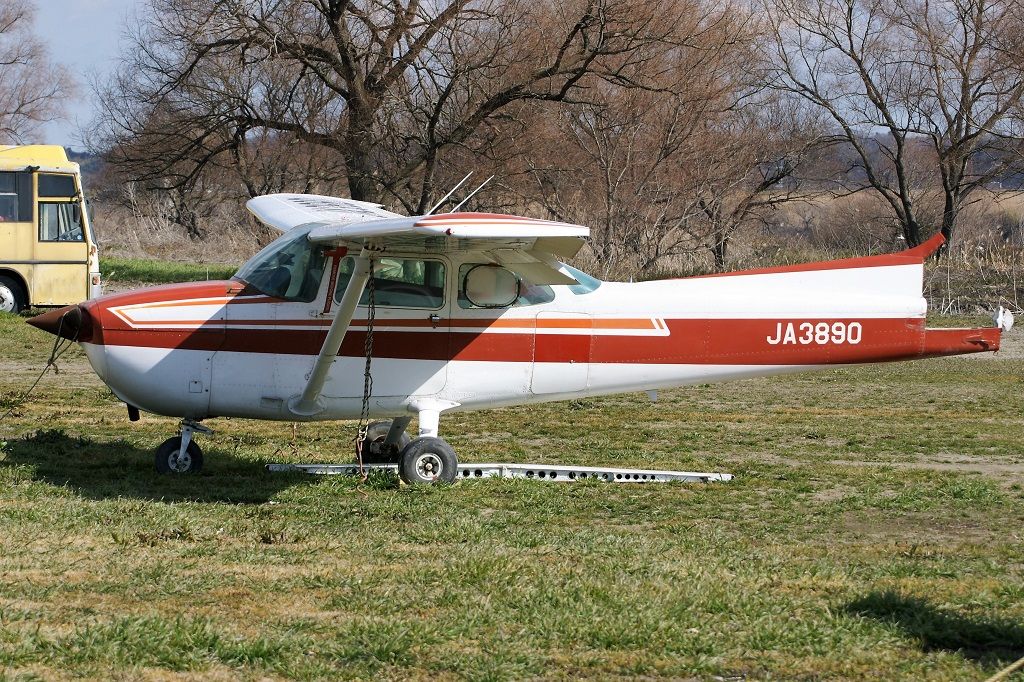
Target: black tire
{"type": "Point", "coordinates": [428, 460]}
{"type": "Point", "coordinates": [374, 449]}
{"type": "Point", "coordinates": [12, 295]}
{"type": "Point", "coordinates": [167, 461]}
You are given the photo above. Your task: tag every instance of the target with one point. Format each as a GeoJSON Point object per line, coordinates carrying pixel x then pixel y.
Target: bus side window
{"type": "Point", "coordinates": [15, 197]}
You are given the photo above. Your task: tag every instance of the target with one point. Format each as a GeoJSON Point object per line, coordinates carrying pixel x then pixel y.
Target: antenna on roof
{"type": "Point", "coordinates": [470, 195]}
{"type": "Point", "coordinates": [451, 192]}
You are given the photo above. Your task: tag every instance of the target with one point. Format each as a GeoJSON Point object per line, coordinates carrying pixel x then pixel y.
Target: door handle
{"type": "Point", "coordinates": [435, 319]}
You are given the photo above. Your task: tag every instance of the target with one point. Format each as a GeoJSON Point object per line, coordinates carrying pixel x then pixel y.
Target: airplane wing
{"type": "Point", "coordinates": [285, 211]}
{"type": "Point", "coordinates": [527, 246]}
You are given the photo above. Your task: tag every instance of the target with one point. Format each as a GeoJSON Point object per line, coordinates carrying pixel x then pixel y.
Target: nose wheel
{"type": "Point", "coordinates": [428, 459]}
{"type": "Point", "coordinates": [171, 460]}
{"type": "Point", "coordinates": [181, 454]}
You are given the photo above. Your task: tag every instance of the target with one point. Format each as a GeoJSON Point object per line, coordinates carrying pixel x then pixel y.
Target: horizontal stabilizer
{"type": "Point", "coordinates": [943, 342]}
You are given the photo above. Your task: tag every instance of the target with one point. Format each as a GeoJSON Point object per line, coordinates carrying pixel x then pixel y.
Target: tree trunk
{"type": "Point", "coordinates": [183, 213]}
{"type": "Point", "coordinates": [427, 186]}
{"type": "Point", "coordinates": [720, 249]}
{"type": "Point", "coordinates": [911, 230]}
{"type": "Point", "coordinates": [362, 183]}
{"type": "Point", "coordinates": [950, 214]}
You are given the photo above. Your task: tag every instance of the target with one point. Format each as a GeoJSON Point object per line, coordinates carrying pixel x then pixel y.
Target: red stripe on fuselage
{"type": "Point", "coordinates": [734, 341]}
{"type": "Point", "coordinates": [180, 292]}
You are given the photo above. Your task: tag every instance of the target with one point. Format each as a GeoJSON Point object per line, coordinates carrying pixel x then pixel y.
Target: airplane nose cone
{"type": "Point", "coordinates": [70, 322]}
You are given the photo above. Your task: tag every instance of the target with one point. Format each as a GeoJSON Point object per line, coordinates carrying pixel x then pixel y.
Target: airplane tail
{"type": "Point", "coordinates": [872, 307]}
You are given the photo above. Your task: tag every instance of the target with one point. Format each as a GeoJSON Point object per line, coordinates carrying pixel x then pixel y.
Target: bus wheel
{"type": "Point", "coordinates": [12, 297]}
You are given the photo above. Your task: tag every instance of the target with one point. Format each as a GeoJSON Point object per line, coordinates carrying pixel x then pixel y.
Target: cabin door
{"type": "Point", "coordinates": [411, 330]}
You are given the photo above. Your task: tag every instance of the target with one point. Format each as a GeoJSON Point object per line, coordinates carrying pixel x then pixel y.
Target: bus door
{"type": "Point", "coordinates": [61, 260]}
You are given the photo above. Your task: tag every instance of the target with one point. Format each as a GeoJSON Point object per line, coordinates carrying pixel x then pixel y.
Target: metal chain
{"type": "Point", "coordinates": [364, 413]}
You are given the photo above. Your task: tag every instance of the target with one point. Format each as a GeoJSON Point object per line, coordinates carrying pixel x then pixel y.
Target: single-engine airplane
{"type": "Point", "coordinates": [471, 311]}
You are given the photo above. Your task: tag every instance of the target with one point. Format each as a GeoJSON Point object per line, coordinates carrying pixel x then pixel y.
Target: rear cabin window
{"type": "Point", "coordinates": [399, 283]}
{"type": "Point", "coordinates": [530, 294]}
{"type": "Point", "coordinates": [15, 197]}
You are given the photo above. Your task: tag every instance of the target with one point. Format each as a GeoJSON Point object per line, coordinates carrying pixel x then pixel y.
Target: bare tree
{"type": "Point", "coordinates": [612, 166]}
{"type": "Point", "coordinates": [388, 86]}
{"type": "Point", "coordinates": [34, 88]}
{"type": "Point", "coordinates": [752, 164]}
{"type": "Point", "coordinates": [972, 56]}
{"type": "Point", "coordinates": [894, 75]}
{"type": "Point", "coordinates": [659, 181]}
{"type": "Point", "coordinates": [670, 174]}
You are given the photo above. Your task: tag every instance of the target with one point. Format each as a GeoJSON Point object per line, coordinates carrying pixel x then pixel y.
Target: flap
{"type": "Point", "coordinates": [537, 267]}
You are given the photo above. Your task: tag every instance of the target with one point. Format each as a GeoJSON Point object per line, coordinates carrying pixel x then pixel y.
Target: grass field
{"type": "Point", "coordinates": [161, 272]}
{"type": "Point", "coordinates": [873, 531]}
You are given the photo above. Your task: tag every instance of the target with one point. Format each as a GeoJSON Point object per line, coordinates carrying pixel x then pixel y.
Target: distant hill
{"type": "Point", "coordinates": [92, 165]}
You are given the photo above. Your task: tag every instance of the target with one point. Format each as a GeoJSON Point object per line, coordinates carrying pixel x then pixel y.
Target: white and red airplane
{"type": "Point", "coordinates": [472, 311]}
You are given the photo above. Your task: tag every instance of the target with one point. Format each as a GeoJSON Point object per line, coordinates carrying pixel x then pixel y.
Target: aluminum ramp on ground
{"type": "Point", "coordinates": [541, 472]}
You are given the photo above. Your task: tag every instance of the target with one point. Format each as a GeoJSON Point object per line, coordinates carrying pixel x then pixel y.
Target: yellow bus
{"type": "Point", "coordinates": [47, 253]}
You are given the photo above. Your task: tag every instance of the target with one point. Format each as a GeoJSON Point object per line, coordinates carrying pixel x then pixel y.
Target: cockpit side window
{"type": "Point", "coordinates": [399, 283]}
{"type": "Point", "coordinates": [290, 267]}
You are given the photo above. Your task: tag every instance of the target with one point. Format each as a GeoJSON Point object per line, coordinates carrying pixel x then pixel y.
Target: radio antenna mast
{"type": "Point", "coordinates": [470, 195]}
{"type": "Point", "coordinates": [451, 192]}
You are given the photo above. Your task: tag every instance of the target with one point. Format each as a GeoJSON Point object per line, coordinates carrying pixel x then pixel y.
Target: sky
{"type": "Point", "coordinates": [84, 36]}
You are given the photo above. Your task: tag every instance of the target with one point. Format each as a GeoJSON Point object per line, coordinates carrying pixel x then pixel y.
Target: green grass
{"type": "Point", "coordinates": [873, 532]}
{"type": "Point", "coordinates": [161, 272]}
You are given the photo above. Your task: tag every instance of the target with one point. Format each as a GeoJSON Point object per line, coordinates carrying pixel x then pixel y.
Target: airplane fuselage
{"type": "Point", "coordinates": [224, 349]}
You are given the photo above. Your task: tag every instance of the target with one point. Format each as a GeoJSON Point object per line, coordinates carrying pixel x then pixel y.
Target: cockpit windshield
{"type": "Point", "coordinates": [290, 267]}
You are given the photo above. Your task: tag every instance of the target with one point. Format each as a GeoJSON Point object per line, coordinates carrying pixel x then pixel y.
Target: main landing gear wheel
{"type": "Point", "coordinates": [170, 460]}
{"type": "Point", "coordinates": [375, 448]}
{"type": "Point", "coordinates": [428, 460]}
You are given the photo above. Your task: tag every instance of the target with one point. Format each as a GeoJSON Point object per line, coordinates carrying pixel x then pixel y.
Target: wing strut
{"type": "Point", "coordinates": [307, 403]}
